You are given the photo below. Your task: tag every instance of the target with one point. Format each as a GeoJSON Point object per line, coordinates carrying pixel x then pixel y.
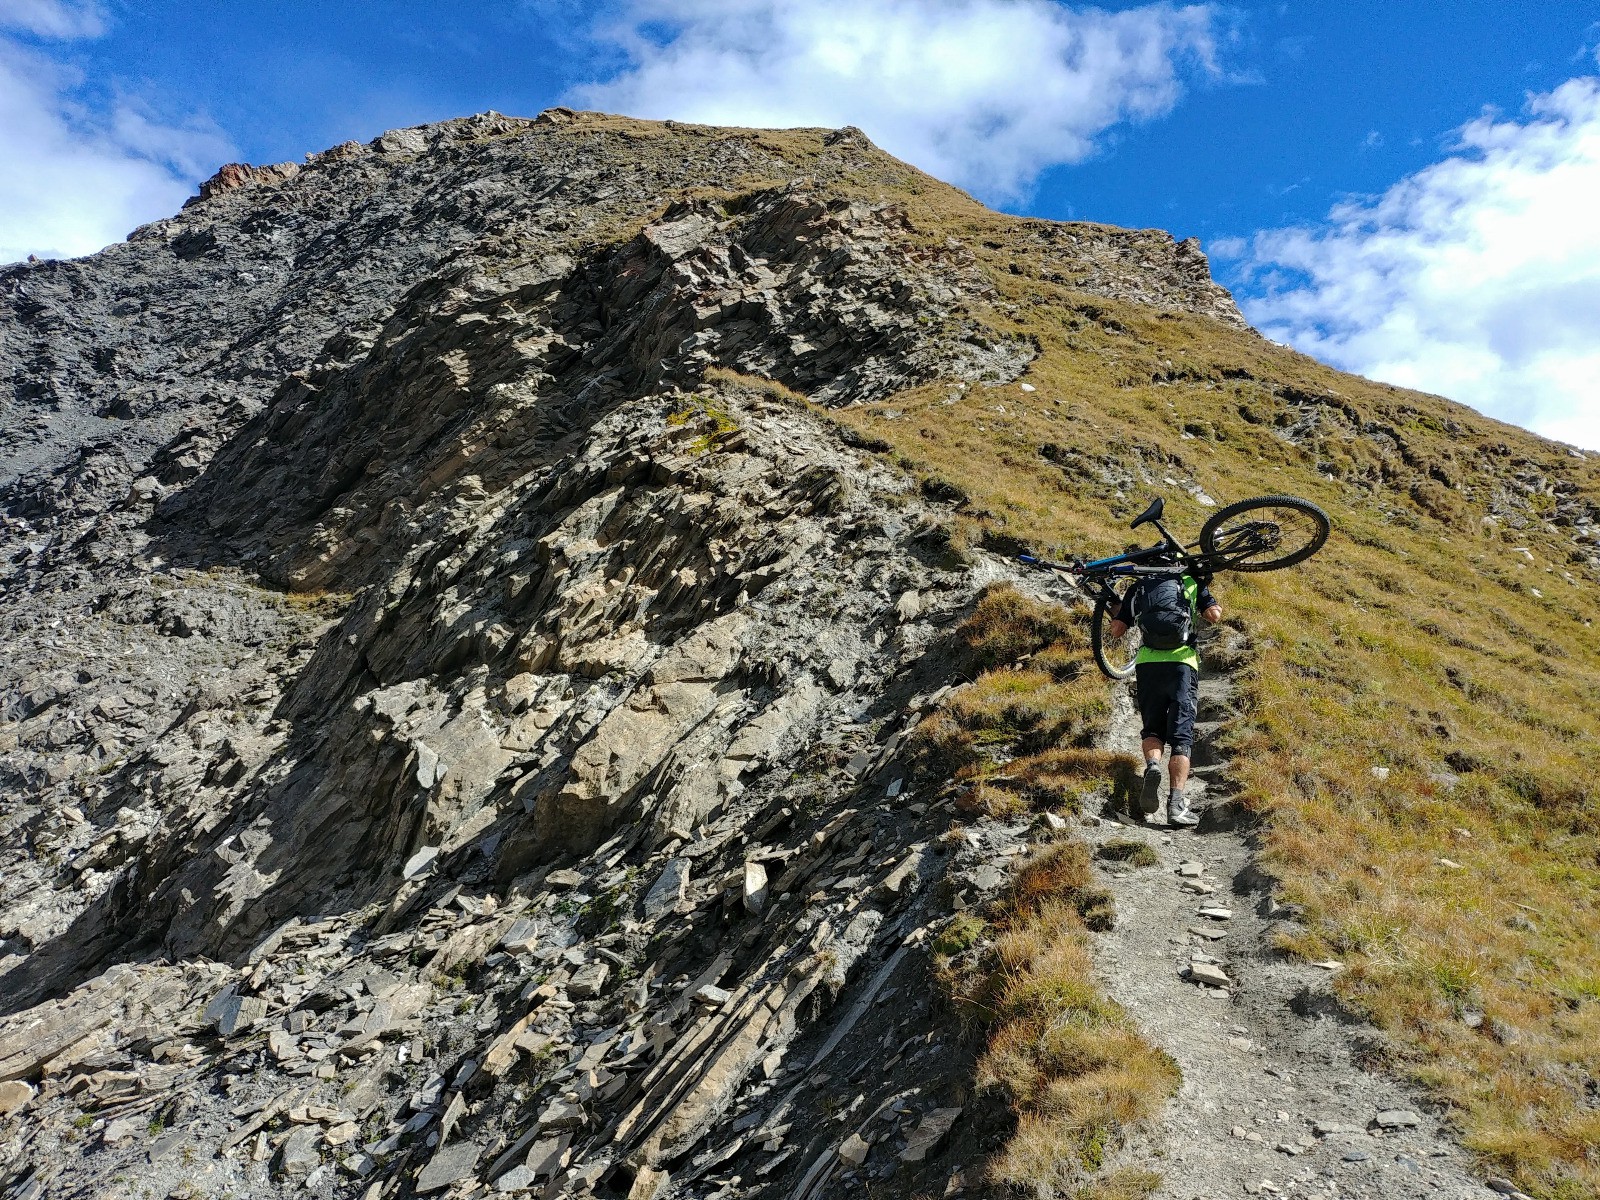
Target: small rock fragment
{"type": "Point", "coordinates": [930, 1131]}
{"type": "Point", "coordinates": [1209, 973]}
{"type": "Point", "coordinates": [515, 1180]}
{"type": "Point", "coordinates": [560, 1114]}
{"type": "Point", "coordinates": [755, 888]}
{"type": "Point", "coordinates": [520, 938]}
{"type": "Point", "coordinates": [711, 995]}
{"type": "Point", "coordinates": [14, 1093]}
{"type": "Point", "coordinates": [587, 982]}
{"type": "Point", "coordinates": [668, 891]}
{"type": "Point", "coordinates": [235, 1014]}
{"type": "Point", "coordinates": [1397, 1118]}
{"type": "Point", "coordinates": [298, 1155]}
{"type": "Point", "coordinates": [419, 862]}
{"type": "Point", "coordinates": [854, 1149]}
{"type": "Point", "coordinates": [450, 1165]}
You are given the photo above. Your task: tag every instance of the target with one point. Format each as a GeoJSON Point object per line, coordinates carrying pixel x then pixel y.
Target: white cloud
{"type": "Point", "coordinates": [985, 93]}
{"type": "Point", "coordinates": [1477, 278]}
{"type": "Point", "coordinates": [75, 175]}
{"type": "Point", "coordinates": [53, 18]}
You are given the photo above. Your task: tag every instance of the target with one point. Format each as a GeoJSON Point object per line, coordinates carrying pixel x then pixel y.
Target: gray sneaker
{"type": "Point", "coordinates": [1150, 797]}
{"type": "Point", "coordinates": [1179, 813]}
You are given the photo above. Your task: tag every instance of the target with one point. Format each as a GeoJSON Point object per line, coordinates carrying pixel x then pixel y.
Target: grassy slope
{"type": "Point", "coordinates": [1460, 890]}
{"type": "Point", "coordinates": [1415, 641]}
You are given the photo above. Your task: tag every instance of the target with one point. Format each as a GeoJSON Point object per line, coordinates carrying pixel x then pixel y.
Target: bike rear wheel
{"type": "Point", "coordinates": [1116, 656]}
{"type": "Point", "coordinates": [1266, 533]}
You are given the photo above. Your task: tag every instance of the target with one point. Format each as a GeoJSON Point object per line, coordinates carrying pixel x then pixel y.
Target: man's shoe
{"type": "Point", "coordinates": [1150, 797]}
{"type": "Point", "coordinates": [1179, 813]}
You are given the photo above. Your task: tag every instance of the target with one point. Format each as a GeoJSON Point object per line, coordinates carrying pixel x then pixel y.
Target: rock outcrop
{"type": "Point", "coordinates": [455, 733]}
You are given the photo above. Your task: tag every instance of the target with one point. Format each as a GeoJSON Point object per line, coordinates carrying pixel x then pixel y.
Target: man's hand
{"type": "Point", "coordinates": [1213, 614]}
{"type": "Point", "coordinates": [1117, 628]}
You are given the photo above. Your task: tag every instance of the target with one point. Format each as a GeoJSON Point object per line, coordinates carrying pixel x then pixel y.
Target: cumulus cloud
{"type": "Point", "coordinates": [53, 18]}
{"type": "Point", "coordinates": [985, 93]}
{"type": "Point", "coordinates": [1477, 278]}
{"type": "Point", "coordinates": [76, 172]}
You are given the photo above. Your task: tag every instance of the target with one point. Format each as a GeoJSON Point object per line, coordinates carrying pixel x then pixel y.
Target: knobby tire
{"type": "Point", "coordinates": [1215, 536]}
{"type": "Point", "coordinates": [1105, 647]}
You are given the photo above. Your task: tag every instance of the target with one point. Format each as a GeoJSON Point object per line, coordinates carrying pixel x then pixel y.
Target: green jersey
{"type": "Point", "coordinates": [1199, 599]}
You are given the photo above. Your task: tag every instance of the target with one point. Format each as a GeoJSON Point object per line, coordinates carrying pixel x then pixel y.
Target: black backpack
{"type": "Point", "coordinates": [1162, 612]}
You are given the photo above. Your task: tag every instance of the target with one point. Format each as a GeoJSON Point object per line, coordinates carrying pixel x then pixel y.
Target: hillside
{"type": "Point", "coordinates": [519, 682]}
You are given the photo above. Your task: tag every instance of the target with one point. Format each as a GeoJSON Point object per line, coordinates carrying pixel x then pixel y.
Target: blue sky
{"type": "Point", "coordinates": [1400, 188]}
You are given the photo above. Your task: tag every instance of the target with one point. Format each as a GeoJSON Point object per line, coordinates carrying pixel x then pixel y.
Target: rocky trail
{"type": "Point", "coordinates": [1274, 1100]}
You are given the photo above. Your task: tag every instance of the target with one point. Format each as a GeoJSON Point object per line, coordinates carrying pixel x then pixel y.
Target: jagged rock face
{"type": "Point", "coordinates": [590, 685]}
{"type": "Point", "coordinates": [483, 377]}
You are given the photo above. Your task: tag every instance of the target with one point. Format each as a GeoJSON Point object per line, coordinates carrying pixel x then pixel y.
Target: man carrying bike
{"type": "Point", "coordinates": [1167, 609]}
{"type": "Point", "coordinates": [1168, 592]}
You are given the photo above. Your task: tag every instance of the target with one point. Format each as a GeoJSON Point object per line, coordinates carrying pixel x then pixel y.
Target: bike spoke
{"type": "Point", "coordinates": [1284, 531]}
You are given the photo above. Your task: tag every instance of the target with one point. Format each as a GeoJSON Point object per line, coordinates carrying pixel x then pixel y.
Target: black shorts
{"type": "Point", "coordinates": [1167, 695]}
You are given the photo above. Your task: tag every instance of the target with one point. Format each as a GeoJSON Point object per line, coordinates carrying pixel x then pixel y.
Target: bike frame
{"type": "Point", "coordinates": [1097, 574]}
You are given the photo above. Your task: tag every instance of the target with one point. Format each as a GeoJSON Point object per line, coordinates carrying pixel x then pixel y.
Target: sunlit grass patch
{"type": "Point", "coordinates": [1069, 1062]}
{"type": "Point", "coordinates": [1006, 626]}
{"type": "Point", "coordinates": [1030, 708]}
{"type": "Point", "coordinates": [1067, 1058]}
{"type": "Point", "coordinates": [1127, 850]}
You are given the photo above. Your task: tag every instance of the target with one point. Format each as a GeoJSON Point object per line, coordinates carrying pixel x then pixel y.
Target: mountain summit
{"type": "Point", "coordinates": [520, 682]}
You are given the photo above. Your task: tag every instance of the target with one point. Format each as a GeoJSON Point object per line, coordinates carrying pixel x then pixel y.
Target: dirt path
{"type": "Point", "coordinates": [1273, 1099]}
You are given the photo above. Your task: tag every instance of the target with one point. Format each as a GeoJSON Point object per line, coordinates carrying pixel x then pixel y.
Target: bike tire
{"type": "Point", "coordinates": [1254, 544]}
{"type": "Point", "coordinates": [1115, 656]}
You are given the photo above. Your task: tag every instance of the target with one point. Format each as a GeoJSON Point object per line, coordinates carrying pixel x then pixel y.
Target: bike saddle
{"type": "Point", "coordinates": [1153, 513]}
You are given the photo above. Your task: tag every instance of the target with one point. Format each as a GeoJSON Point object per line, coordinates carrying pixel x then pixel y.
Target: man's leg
{"type": "Point", "coordinates": [1155, 702]}
{"type": "Point", "coordinates": [1185, 703]}
{"type": "Point", "coordinates": [1178, 770]}
{"type": "Point", "coordinates": [1152, 751]}
{"type": "Point", "coordinates": [1150, 786]}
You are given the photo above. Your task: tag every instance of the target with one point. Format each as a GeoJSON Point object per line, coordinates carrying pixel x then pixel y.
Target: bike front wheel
{"type": "Point", "coordinates": [1267, 533]}
{"type": "Point", "coordinates": [1116, 656]}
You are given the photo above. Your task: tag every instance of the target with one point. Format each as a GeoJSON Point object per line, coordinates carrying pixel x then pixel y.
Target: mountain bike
{"type": "Point", "coordinates": [1266, 533]}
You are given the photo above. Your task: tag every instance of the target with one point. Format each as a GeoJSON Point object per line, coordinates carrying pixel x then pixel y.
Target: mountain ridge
{"type": "Point", "coordinates": [591, 500]}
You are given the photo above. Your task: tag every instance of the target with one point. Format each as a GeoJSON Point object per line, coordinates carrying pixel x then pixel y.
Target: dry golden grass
{"type": "Point", "coordinates": [1069, 1061]}
{"type": "Point", "coordinates": [1007, 627]}
{"type": "Point", "coordinates": [1127, 850]}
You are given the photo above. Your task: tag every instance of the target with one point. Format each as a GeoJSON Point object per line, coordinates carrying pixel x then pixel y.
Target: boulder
{"type": "Point", "coordinates": [449, 1165]}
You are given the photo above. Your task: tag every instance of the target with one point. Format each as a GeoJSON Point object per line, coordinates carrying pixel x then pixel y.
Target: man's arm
{"type": "Point", "coordinates": [1118, 626]}
{"type": "Point", "coordinates": [1209, 608]}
